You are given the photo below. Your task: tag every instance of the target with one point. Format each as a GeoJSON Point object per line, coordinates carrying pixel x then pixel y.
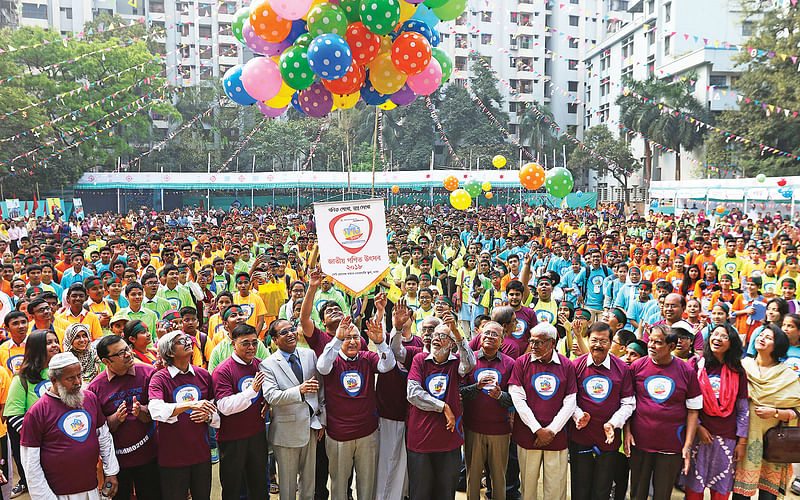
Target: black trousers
{"type": "Point", "coordinates": [177, 482]}
{"type": "Point", "coordinates": [244, 458]}
{"type": "Point", "coordinates": [762, 495]}
{"type": "Point", "coordinates": [321, 472]}
{"type": "Point", "coordinates": [662, 468]}
{"type": "Point", "coordinates": [144, 478]}
{"type": "Point", "coordinates": [621, 475]}
{"type": "Point", "coordinates": [433, 476]}
{"type": "Point", "coordinates": [591, 474]}
{"type": "Point", "coordinates": [15, 438]}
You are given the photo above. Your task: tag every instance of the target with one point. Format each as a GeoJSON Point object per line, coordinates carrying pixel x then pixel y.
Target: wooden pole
{"type": "Point", "coordinates": [374, 149]}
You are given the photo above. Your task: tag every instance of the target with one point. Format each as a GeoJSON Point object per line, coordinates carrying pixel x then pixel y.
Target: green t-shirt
{"type": "Point", "coordinates": [177, 298]}
{"type": "Point", "coordinates": [146, 316]}
{"type": "Point", "coordinates": [158, 305]}
{"type": "Point", "coordinates": [22, 396]}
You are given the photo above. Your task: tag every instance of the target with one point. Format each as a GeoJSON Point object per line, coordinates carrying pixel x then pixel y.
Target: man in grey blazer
{"type": "Point", "coordinates": [292, 386]}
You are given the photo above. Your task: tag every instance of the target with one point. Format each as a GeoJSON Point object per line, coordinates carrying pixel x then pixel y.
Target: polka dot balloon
{"type": "Point", "coordinates": [370, 95]}
{"type": "Point", "coordinates": [351, 82]}
{"type": "Point", "coordinates": [428, 81]}
{"type": "Point", "coordinates": [411, 53]}
{"type": "Point", "coordinates": [385, 77]}
{"type": "Point", "coordinates": [327, 18]}
{"type": "Point", "coordinates": [329, 56]}
{"type": "Point", "coordinates": [239, 18]}
{"type": "Point", "coordinates": [364, 44]}
{"type": "Point", "coordinates": [417, 26]}
{"type": "Point", "coordinates": [531, 176]}
{"type": "Point", "coordinates": [346, 101]}
{"type": "Point", "coordinates": [444, 62]}
{"type": "Point", "coordinates": [559, 182]}
{"type": "Point", "coordinates": [294, 68]}
{"type": "Point", "coordinates": [232, 85]}
{"type": "Point", "coordinates": [267, 24]}
{"type": "Point", "coordinates": [351, 9]}
{"type": "Point", "coordinates": [380, 16]}
{"type": "Point", "coordinates": [316, 101]}
{"type": "Point", "coordinates": [450, 183]}
{"type": "Point", "coordinates": [460, 199]}
{"type": "Point", "coordinates": [291, 9]}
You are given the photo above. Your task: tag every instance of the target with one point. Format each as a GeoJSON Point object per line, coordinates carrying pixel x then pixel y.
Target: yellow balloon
{"type": "Point", "coordinates": [460, 199]}
{"type": "Point", "coordinates": [387, 105]}
{"type": "Point", "coordinates": [346, 101]}
{"type": "Point", "coordinates": [314, 3]}
{"type": "Point", "coordinates": [499, 161]}
{"type": "Point", "coordinates": [384, 76]}
{"type": "Point", "coordinates": [406, 11]}
{"type": "Point", "coordinates": [486, 186]}
{"type": "Point", "coordinates": [282, 99]}
{"type": "Point", "coordinates": [386, 43]}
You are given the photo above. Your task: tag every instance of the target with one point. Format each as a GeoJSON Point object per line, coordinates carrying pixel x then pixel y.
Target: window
{"type": "Point", "coordinates": [525, 86]}
{"type": "Point", "coordinates": [204, 10]}
{"type": "Point", "coordinates": [651, 6]}
{"type": "Point", "coordinates": [513, 17]}
{"type": "Point", "coordinates": [604, 112]}
{"type": "Point", "coordinates": [572, 86]}
{"type": "Point", "coordinates": [573, 20]}
{"type": "Point", "coordinates": [627, 72]}
{"type": "Point", "coordinates": [575, 2]}
{"type": "Point", "coordinates": [667, 11]}
{"type": "Point", "coordinates": [572, 63]}
{"type": "Point", "coordinates": [225, 29]}
{"type": "Point", "coordinates": [525, 42]}
{"type": "Point", "coordinates": [573, 43]}
{"type": "Point", "coordinates": [204, 31]}
{"type": "Point", "coordinates": [627, 47]}
{"type": "Point", "coordinates": [486, 38]}
{"type": "Point", "coordinates": [461, 63]}
{"type": "Point", "coordinates": [67, 11]}
{"type": "Point", "coordinates": [588, 94]}
{"type": "Point", "coordinates": [486, 16]}
{"type": "Point", "coordinates": [512, 107]}
{"type": "Point", "coordinates": [748, 28]}
{"type": "Point", "coordinates": [205, 52]}
{"type": "Point", "coordinates": [651, 64]}
{"type": "Point", "coordinates": [34, 11]}
{"type": "Point", "coordinates": [719, 81]}
{"type": "Point", "coordinates": [667, 41]}
{"type": "Point", "coordinates": [512, 41]}
{"type": "Point", "coordinates": [651, 36]}
{"type": "Point", "coordinates": [605, 60]}
{"type": "Point", "coordinates": [157, 7]}
{"type": "Point", "coordinates": [605, 86]}
{"type": "Point", "coordinates": [227, 8]}
{"type": "Point", "coordinates": [572, 108]}
{"type": "Point", "coordinates": [461, 41]}
{"type": "Point", "coordinates": [462, 19]}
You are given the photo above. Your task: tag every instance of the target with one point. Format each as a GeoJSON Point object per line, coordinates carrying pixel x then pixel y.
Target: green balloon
{"type": "Point", "coordinates": [435, 4]}
{"type": "Point", "coordinates": [558, 182]}
{"type": "Point", "coordinates": [304, 40]}
{"type": "Point", "coordinates": [351, 10]}
{"type": "Point", "coordinates": [380, 16]}
{"type": "Point", "coordinates": [444, 61]}
{"type": "Point", "coordinates": [294, 68]}
{"type": "Point", "coordinates": [473, 187]}
{"type": "Point", "coordinates": [238, 23]}
{"type": "Point", "coordinates": [327, 18]}
{"type": "Point", "coordinates": [451, 10]}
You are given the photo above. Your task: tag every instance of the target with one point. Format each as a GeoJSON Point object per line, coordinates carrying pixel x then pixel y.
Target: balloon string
{"type": "Point", "coordinates": [242, 144]}
{"type": "Point", "coordinates": [443, 136]}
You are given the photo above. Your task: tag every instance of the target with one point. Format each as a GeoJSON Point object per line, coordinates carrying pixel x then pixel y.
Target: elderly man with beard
{"type": "Point", "coordinates": [605, 402]}
{"type": "Point", "coordinates": [63, 435]}
{"type": "Point", "coordinates": [543, 389]}
{"type": "Point", "coordinates": [434, 441]}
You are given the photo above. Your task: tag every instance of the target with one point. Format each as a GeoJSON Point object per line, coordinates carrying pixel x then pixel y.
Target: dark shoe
{"type": "Point", "coordinates": [18, 490]}
{"type": "Point", "coordinates": [795, 486]}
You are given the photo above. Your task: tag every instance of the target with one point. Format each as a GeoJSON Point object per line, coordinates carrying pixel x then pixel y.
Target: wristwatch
{"type": "Point", "coordinates": [777, 413]}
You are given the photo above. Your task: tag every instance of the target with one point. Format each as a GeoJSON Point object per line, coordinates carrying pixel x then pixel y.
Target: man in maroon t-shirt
{"type": "Point", "coordinates": [525, 316]}
{"type": "Point", "coordinates": [63, 436]}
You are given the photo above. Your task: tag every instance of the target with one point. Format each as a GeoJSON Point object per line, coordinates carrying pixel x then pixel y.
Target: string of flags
{"type": "Point", "coordinates": [380, 139]}
{"type": "Point", "coordinates": [242, 144]}
{"type": "Point", "coordinates": [314, 144]}
{"type": "Point", "coordinates": [495, 121]}
{"type": "Point", "coordinates": [442, 135]}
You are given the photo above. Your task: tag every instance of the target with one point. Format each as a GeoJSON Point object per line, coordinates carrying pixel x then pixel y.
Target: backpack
{"type": "Point", "coordinates": [582, 286]}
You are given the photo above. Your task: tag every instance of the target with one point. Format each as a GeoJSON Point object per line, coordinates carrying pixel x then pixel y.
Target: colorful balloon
{"type": "Point", "coordinates": [271, 112]}
{"type": "Point", "coordinates": [327, 18]}
{"type": "Point", "coordinates": [782, 182]}
{"type": "Point", "coordinates": [261, 78]}
{"type": "Point", "coordinates": [411, 53]}
{"type": "Point", "coordinates": [531, 176]}
{"type": "Point", "coordinates": [296, 103]}
{"type": "Point", "coordinates": [450, 10]}
{"type": "Point", "coordinates": [364, 44]}
{"type": "Point", "coordinates": [346, 101]}
{"type": "Point", "coordinates": [499, 161]}
{"type": "Point", "coordinates": [426, 15]}
{"type": "Point", "coordinates": [486, 186]}
{"type": "Point", "coordinates": [406, 11]}
{"type": "Point", "coordinates": [232, 85]}
{"type": "Point", "coordinates": [351, 9]}
{"type": "Point", "coordinates": [720, 209]}
{"type": "Point", "coordinates": [370, 95]}
{"type": "Point", "coordinates": [295, 69]}
{"type": "Point", "coordinates": [444, 61]}
{"type": "Point", "coordinates": [417, 26]}
{"type": "Point", "coordinates": [290, 9]}
{"type": "Point", "coordinates": [559, 182]}
{"type": "Point", "coordinates": [351, 82]}
{"type": "Point", "coordinates": [460, 199]}
{"type": "Point", "coordinates": [489, 195]}
{"type": "Point", "coordinates": [428, 81]}
{"type": "Point", "coordinates": [258, 45]}
{"type": "Point", "coordinates": [473, 187]}
{"type": "Point", "coordinates": [284, 97]}
{"type": "Point", "coordinates": [761, 177]}
{"type": "Point", "coordinates": [450, 183]}
{"type": "Point", "coordinates": [404, 96]}
{"type": "Point", "coordinates": [388, 105]}
{"type": "Point", "coordinates": [267, 24]}
{"type": "Point", "coordinates": [329, 56]}
{"type": "Point", "coordinates": [316, 101]}
{"type": "Point", "coordinates": [380, 16]}
{"type": "Point", "coordinates": [385, 77]}
{"type": "Point", "coordinates": [395, 189]}
{"type": "Point", "coordinates": [435, 4]}
{"type": "Point", "coordinates": [239, 19]}
{"type": "Point", "coordinates": [304, 40]}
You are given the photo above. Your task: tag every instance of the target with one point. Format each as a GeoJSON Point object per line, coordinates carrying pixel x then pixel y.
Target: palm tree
{"type": "Point", "coordinates": [637, 115]}
{"type": "Point", "coordinates": [535, 129]}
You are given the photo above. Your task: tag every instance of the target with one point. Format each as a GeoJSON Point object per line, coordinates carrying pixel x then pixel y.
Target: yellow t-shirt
{"type": "Point", "coordinates": [253, 306]}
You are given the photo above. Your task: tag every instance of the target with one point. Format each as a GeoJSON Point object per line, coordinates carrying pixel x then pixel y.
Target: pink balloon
{"type": "Point", "coordinates": [261, 78]}
{"type": "Point", "coordinates": [271, 112]}
{"type": "Point", "coordinates": [428, 81]}
{"type": "Point", "coordinates": [290, 9]}
{"type": "Point", "coordinates": [259, 46]}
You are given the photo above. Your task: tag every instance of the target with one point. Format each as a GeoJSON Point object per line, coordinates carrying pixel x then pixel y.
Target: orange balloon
{"type": "Point", "coordinates": [351, 81]}
{"type": "Point", "coordinates": [531, 176]}
{"type": "Point", "coordinates": [268, 25]}
{"type": "Point", "coordinates": [489, 195]}
{"type": "Point", "coordinates": [450, 183]}
{"type": "Point", "coordinates": [411, 53]}
{"type": "Point", "coordinates": [395, 189]}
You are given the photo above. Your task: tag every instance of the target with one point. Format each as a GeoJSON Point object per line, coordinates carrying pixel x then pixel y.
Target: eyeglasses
{"type": "Point", "coordinates": [440, 336]}
{"type": "Point", "coordinates": [353, 338]}
{"type": "Point", "coordinates": [286, 331]}
{"type": "Point", "coordinates": [593, 340]}
{"type": "Point", "coordinates": [428, 328]}
{"type": "Point", "coordinates": [184, 341]}
{"type": "Point", "coordinates": [491, 335]}
{"type": "Point", "coordinates": [249, 343]}
{"type": "Point", "coordinates": [539, 343]}
{"type": "Point", "coordinates": [43, 309]}
{"type": "Point", "coordinates": [122, 353]}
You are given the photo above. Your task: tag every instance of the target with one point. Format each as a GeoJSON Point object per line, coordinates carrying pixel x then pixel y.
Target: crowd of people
{"type": "Point", "coordinates": [604, 354]}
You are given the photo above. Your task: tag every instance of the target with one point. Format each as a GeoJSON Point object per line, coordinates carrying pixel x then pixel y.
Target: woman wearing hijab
{"type": "Point", "coordinates": [78, 341]}
{"type": "Point", "coordinates": [774, 391]}
{"type": "Point", "coordinates": [722, 432]}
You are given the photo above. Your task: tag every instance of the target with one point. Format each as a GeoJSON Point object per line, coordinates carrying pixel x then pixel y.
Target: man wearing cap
{"type": "Point", "coordinates": [231, 316]}
{"type": "Point", "coordinates": [63, 436]}
{"type": "Point", "coordinates": [135, 310]}
{"type": "Point", "coordinates": [181, 401]}
{"type": "Point", "coordinates": [605, 401]}
{"type": "Point", "coordinates": [75, 313]}
{"type": "Point", "coordinates": [122, 393]}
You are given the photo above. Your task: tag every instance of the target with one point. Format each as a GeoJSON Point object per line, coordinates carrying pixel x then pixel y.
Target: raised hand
{"type": "Point", "coordinates": [401, 314]}
{"type": "Point", "coordinates": [315, 277]}
{"type": "Point", "coordinates": [380, 301]}
{"type": "Point", "coordinates": [344, 327]}
{"type": "Point", "coordinates": [375, 331]}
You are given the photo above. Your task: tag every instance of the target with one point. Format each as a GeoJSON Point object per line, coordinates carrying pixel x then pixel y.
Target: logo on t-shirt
{"type": "Point", "coordinates": [175, 302]}
{"type": "Point", "coordinates": [544, 316]}
{"type": "Point", "coordinates": [186, 393]}
{"type": "Point", "coordinates": [437, 384]}
{"type": "Point", "coordinates": [14, 362]}
{"type": "Point", "coordinates": [714, 380]}
{"type": "Point", "coordinates": [659, 387]}
{"type": "Point", "coordinates": [597, 387]}
{"type": "Point", "coordinates": [793, 363]}
{"type": "Point", "coordinates": [76, 424]}
{"type": "Point", "coordinates": [245, 383]}
{"type": "Point", "coordinates": [42, 387]}
{"type": "Point", "coordinates": [597, 284]}
{"type": "Point", "coordinates": [545, 384]}
{"type": "Point", "coordinates": [730, 267]}
{"type": "Point", "coordinates": [521, 329]}
{"type": "Point", "coordinates": [352, 382]}
{"type": "Point", "coordinates": [247, 309]}
{"type": "Point", "coordinates": [494, 376]}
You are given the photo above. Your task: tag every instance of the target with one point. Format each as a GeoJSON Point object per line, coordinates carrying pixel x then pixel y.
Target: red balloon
{"type": "Point", "coordinates": [782, 182]}
{"type": "Point", "coordinates": [364, 44]}
{"type": "Point", "coordinates": [351, 81]}
{"type": "Point", "coordinates": [411, 53]}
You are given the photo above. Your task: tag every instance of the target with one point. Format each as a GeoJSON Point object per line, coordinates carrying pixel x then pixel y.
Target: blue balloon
{"type": "Point", "coordinates": [654, 204]}
{"type": "Point", "coordinates": [298, 28]}
{"type": "Point", "coordinates": [416, 26]}
{"type": "Point", "coordinates": [787, 193]}
{"type": "Point", "coordinates": [372, 96]}
{"type": "Point", "coordinates": [426, 15]}
{"type": "Point", "coordinates": [436, 39]}
{"type": "Point", "coordinates": [296, 103]}
{"type": "Point", "coordinates": [232, 85]}
{"type": "Point", "coordinates": [329, 56]}
{"type": "Point", "coordinates": [579, 194]}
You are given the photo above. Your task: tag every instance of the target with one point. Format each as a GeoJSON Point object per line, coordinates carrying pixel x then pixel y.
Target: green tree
{"type": "Point", "coordinates": [620, 162]}
{"type": "Point", "coordinates": [535, 129]}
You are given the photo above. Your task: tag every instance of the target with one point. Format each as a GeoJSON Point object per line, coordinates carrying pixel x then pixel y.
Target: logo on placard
{"type": "Point", "coordinates": [351, 230]}
{"type": "Point", "coordinates": [351, 382]}
{"type": "Point", "coordinates": [520, 329]}
{"type": "Point", "coordinates": [76, 424]}
{"type": "Point", "coordinates": [186, 393]}
{"type": "Point", "coordinates": [659, 387]}
{"type": "Point", "coordinates": [545, 384]}
{"type": "Point", "coordinates": [597, 387]}
{"type": "Point", "coordinates": [437, 384]}
{"type": "Point", "coordinates": [245, 383]}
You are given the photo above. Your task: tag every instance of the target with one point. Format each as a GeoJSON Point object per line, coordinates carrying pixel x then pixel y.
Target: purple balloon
{"type": "Point", "coordinates": [316, 101]}
{"type": "Point", "coordinates": [271, 112]}
{"type": "Point", "coordinates": [404, 96]}
{"type": "Point", "coordinates": [259, 46]}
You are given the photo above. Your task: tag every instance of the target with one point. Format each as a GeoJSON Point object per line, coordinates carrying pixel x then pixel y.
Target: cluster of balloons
{"type": "Point", "coordinates": [461, 198]}
{"type": "Point", "coordinates": [323, 55]}
{"type": "Point", "coordinates": [557, 181]}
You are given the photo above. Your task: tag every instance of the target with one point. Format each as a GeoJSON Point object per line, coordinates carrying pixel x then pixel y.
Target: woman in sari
{"type": "Point", "coordinates": [774, 391]}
